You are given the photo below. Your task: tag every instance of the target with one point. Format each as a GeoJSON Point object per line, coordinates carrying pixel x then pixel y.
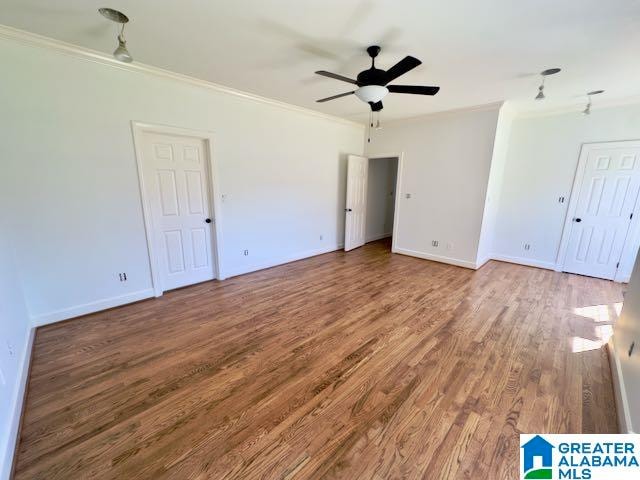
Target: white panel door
{"type": "Point", "coordinates": [606, 199]}
{"type": "Point", "coordinates": [356, 208]}
{"type": "Point", "coordinates": [176, 184]}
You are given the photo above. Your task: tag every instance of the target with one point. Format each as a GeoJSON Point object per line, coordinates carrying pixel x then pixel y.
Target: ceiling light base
{"type": "Point", "coordinates": [113, 15]}
{"type": "Point", "coordinates": [550, 71]}
{"type": "Point", "coordinates": [373, 51]}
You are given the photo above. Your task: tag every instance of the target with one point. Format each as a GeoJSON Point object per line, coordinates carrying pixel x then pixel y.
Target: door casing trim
{"type": "Point", "coordinates": [585, 149]}
{"type": "Point", "coordinates": [138, 129]}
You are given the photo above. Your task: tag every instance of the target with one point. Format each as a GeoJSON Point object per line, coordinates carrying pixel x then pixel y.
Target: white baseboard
{"type": "Point", "coordinates": [92, 307]}
{"type": "Point", "coordinates": [620, 394]}
{"type": "Point", "coordinates": [103, 304]}
{"type": "Point", "coordinates": [529, 262]}
{"type": "Point", "coordinates": [436, 258]}
{"type": "Point", "coordinates": [380, 236]}
{"type": "Point", "coordinates": [6, 459]}
{"type": "Point", "coordinates": [483, 262]}
{"type": "Point", "coordinates": [279, 261]}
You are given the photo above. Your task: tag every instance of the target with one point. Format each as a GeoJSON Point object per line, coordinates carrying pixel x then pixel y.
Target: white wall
{"type": "Point", "coordinates": [14, 348]}
{"type": "Point", "coordinates": [67, 148]}
{"type": "Point", "coordinates": [494, 186]}
{"type": "Point", "coordinates": [541, 163]}
{"type": "Point", "coordinates": [381, 197]}
{"type": "Point", "coordinates": [445, 169]}
{"type": "Point", "coordinates": [627, 368]}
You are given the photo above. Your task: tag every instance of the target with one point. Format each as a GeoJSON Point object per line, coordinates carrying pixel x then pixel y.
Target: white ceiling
{"type": "Point", "coordinates": [478, 52]}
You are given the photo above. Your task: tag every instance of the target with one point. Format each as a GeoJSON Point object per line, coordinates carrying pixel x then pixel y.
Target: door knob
{"type": "Point", "coordinates": [208, 220]}
{"type": "Point", "coordinates": [348, 210]}
{"type": "Point", "coordinates": [577, 220]}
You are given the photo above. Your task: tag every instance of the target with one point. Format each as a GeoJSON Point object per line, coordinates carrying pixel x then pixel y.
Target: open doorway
{"type": "Point", "coordinates": [370, 210]}
{"type": "Point", "coordinates": [381, 198]}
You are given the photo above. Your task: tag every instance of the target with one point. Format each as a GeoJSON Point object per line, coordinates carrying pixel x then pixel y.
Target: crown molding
{"type": "Point", "coordinates": [444, 113]}
{"type": "Point", "coordinates": [578, 107]}
{"type": "Point", "coordinates": [32, 39]}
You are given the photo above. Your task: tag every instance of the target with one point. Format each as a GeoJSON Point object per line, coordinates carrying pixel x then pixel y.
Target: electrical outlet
{"type": "Point", "coordinates": [10, 350]}
{"type": "Point", "coordinates": [122, 276]}
{"type": "Point", "coordinates": [321, 237]}
{"type": "Point", "coordinates": [407, 195]}
{"type": "Point", "coordinates": [246, 253]}
{"type": "Point", "coordinates": [435, 243]}
{"type": "Point", "coordinates": [526, 247]}
{"type": "Point", "coordinates": [449, 246]}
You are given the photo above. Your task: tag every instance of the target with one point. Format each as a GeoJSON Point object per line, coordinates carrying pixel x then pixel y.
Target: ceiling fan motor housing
{"type": "Point", "coordinates": [373, 76]}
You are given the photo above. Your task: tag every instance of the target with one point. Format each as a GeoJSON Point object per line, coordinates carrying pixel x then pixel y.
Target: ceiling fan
{"type": "Point", "coordinates": [373, 82]}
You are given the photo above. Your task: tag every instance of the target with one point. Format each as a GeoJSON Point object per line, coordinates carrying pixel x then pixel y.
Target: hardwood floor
{"type": "Point", "coordinates": [359, 365]}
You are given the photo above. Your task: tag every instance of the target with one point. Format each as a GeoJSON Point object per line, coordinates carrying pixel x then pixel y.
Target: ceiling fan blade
{"type": "Point", "coordinates": [415, 89]}
{"type": "Point", "coordinates": [376, 107]}
{"type": "Point", "coordinates": [402, 67]}
{"type": "Point", "coordinates": [336, 76]}
{"type": "Point", "coordinates": [334, 97]}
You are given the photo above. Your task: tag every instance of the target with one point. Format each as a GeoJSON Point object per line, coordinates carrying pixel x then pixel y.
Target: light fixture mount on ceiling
{"type": "Point", "coordinates": [550, 71]}
{"type": "Point", "coordinates": [544, 74]}
{"type": "Point", "coordinates": [113, 15]}
{"type": "Point", "coordinates": [587, 110]}
{"type": "Point", "coordinates": [121, 53]}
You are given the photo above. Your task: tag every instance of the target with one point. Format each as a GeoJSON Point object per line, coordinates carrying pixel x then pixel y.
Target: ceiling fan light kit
{"type": "Point", "coordinates": [121, 53]}
{"type": "Point", "coordinates": [371, 93]}
{"type": "Point", "coordinates": [373, 83]}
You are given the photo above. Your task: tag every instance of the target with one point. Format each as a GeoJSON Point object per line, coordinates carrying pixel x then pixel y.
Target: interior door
{"type": "Point", "coordinates": [606, 200]}
{"type": "Point", "coordinates": [356, 207]}
{"type": "Point", "coordinates": [176, 180]}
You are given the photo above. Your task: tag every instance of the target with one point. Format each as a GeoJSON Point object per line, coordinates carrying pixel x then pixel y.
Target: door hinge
{"type": "Point", "coordinates": [618, 265]}
{"type": "Point", "coordinates": [630, 216]}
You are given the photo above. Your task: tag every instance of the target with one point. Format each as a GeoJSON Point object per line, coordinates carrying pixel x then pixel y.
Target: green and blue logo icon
{"type": "Point", "coordinates": [537, 459]}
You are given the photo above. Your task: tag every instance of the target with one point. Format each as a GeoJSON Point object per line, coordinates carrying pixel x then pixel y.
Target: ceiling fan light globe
{"type": "Point", "coordinates": [371, 93]}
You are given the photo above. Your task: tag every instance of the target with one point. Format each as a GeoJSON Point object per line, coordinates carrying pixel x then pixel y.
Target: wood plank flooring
{"type": "Point", "coordinates": [364, 365]}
